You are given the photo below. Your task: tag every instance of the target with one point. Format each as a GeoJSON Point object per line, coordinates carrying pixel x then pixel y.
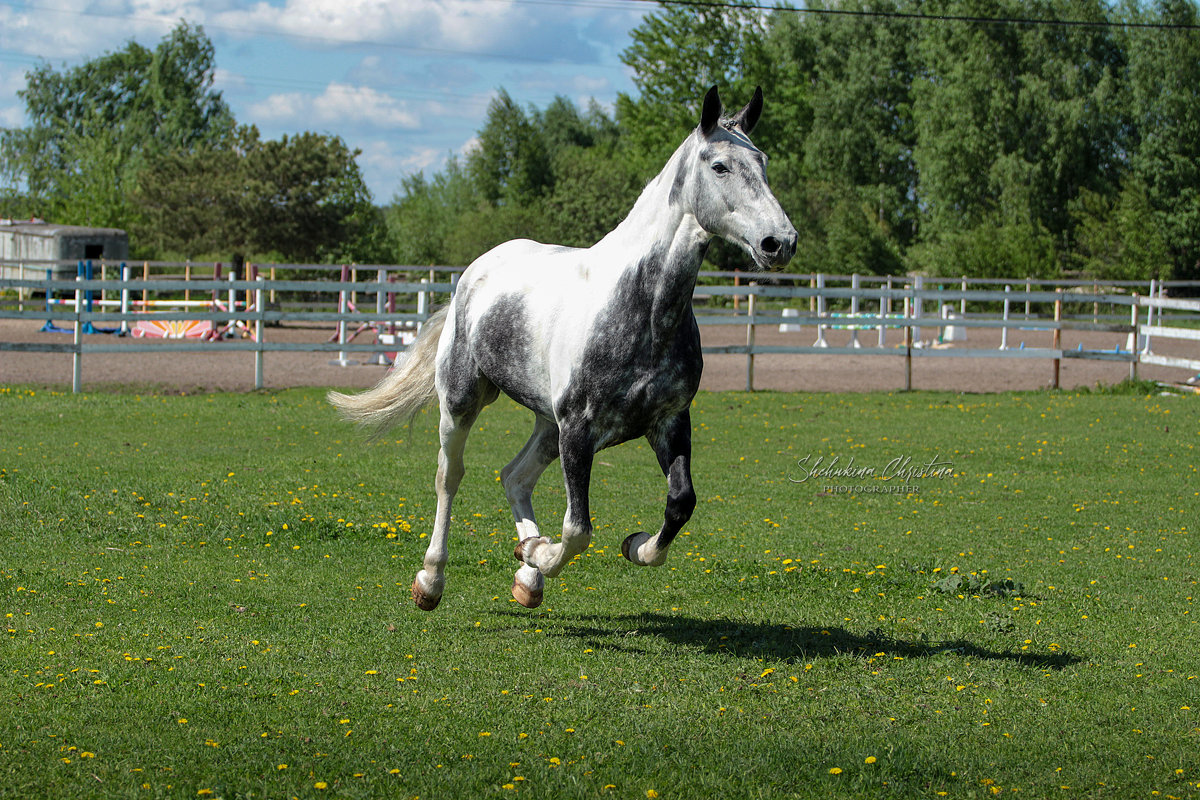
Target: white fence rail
{"type": "Point", "coordinates": [218, 313]}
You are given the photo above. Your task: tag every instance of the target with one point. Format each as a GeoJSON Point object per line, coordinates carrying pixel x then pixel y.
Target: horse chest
{"type": "Point", "coordinates": [628, 384]}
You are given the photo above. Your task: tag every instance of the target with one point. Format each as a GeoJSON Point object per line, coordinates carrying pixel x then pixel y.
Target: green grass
{"type": "Point", "coordinates": [200, 590]}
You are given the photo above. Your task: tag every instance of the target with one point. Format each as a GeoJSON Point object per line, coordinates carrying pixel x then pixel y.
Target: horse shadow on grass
{"type": "Point", "coordinates": [774, 641]}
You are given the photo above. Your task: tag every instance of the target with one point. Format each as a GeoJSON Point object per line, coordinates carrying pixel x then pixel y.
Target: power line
{"type": "Point", "coordinates": [917, 17]}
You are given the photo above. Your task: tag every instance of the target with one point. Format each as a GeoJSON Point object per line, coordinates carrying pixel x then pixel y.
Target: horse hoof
{"type": "Point", "coordinates": [631, 547]}
{"type": "Point", "coordinates": [424, 601]}
{"type": "Point", "coordinates": [628, 544]}
{"type": "Point", "coordinates": [530, 598]}
{"type": "Point", "coordinates": [525, 547]}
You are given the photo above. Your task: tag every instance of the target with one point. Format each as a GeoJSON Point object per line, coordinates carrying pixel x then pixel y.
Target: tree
{"type": "Point", "coordinates": [510, 164]}
{"type": "Point", "coordinates": [424, 212]}
{"type": "Point", "coordinates": [300, 198]}
{"type": "Point", "coordinates": [95, 124]}
{"type": "Point", "coordinates": [1164, 83]}
{"type": "Point", "coordinates": [594, 190]}
{"type": "Point", "coordinates": [677, 53]}
{"type": "Point", "coordinates": [1121, 238]}
{"type": "Point", "coordinates": [862, 135]}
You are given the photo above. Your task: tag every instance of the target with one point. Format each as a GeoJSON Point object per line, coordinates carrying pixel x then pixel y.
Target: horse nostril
{"type": "Point", "coordinates": [770, 244]}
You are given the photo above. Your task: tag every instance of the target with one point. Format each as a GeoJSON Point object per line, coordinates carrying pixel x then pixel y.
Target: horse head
{"type": "Point", "coordinates": [724, 179]}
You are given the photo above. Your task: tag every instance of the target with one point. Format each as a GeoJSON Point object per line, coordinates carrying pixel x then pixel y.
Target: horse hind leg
{"type": "Point", "coordinates": [674, 450]}
{"type": "Point", "coordinates": [453, 430]}
{"type": "Point", "coordinates": [518, 479]}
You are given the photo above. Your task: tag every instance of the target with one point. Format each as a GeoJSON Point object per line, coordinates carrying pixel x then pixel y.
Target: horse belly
{"type": "Point", "coordinates": [507, 351]}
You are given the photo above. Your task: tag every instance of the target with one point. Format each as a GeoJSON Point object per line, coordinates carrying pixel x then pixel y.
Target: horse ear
{"type": "Point", "coordinates": [747, 118]}
{"type": "Point", "coordinates": [711, 115]}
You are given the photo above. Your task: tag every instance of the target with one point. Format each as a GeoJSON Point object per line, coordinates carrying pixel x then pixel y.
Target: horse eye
{"type": "Point", "coordinates": [720, 168]}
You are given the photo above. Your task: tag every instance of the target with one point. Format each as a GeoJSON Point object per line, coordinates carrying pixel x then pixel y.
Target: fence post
{"type": "Point", "coordinates": [232, 300]}
{"type": "Point", "coordinates": [381, 307]}
{"type": "Point", "coordinates": [854, 284]}
{"type": "Point", "coordinates": [258, 334]}
{"type": "Point", "coordinates": [820, 342]}
{"type": "Point", "coordinates": [77, 341]}
{"type": "Point", "coordinates": [1057, 336]}
{"type": "Point", "coordinates": [1133, 348]}
{"type": "Point", "coordinates": [1150, 315]}
{"type": "Point", "coordinates": [422, 305]}
{"type": "Point", "coordinates": [750, 341]}
{"type": "Point", "coordinates": [908, 343]}
{"type": "Point", "coordinates": [1004, 330]}
{"type": "Point", "coordinates": [343, 309]}
{"type": "Point", "coordinates": [918, 304]}
{"type": "Point", "coordinates": [885, 308]}
{"type": "Point", "coordinates": [124, 299]}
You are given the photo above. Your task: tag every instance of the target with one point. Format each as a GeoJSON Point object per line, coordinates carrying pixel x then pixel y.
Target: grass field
{"type": "Point", "coordinates": [207, 596]}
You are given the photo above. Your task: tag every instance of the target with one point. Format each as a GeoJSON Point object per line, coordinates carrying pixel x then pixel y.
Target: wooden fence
{"type": "Point", "coordinates": [236, 314]}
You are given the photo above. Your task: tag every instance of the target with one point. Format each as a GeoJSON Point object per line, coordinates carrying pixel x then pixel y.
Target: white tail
{"type": "Point", "coordinates": [404, 391]}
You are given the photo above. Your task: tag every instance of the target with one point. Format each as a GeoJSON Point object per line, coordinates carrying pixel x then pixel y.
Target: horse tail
{"type": "Point", "coordinates": [404, 391]}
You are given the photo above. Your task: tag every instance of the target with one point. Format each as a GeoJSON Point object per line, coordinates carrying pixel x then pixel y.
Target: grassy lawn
{"type": "Point", "coordinates": [207, 596]}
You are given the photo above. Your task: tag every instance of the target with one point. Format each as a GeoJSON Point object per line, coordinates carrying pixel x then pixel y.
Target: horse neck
{"type": "Point", "coordinates": [660, 244]}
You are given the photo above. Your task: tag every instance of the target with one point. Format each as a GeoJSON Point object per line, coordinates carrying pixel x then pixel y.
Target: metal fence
{"type": "Point", "coordinates": [232, 313]}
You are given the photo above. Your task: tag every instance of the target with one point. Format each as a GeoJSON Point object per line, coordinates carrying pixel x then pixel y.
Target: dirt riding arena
{"type": "Point", "coordinates": [234, 371]}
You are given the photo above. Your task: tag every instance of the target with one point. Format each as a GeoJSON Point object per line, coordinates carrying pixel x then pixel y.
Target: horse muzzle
{"type": "Point", "coordinates": [775, 251]}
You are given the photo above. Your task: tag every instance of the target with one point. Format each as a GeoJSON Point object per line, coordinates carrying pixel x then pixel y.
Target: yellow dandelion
{"type": "Point", "coordinates": [321, 785]}
{"type": "Point", "coordinates": [869, 760]}
{"type": "Point", "coordinates": [835, 770]}
{"type": "Point", "coordinates": [651, 793]}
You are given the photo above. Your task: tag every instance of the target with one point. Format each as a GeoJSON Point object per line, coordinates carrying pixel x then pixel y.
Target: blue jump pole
{"type": "Point", "coordinates": [84, 271]}
{"type": "Point", "coordinates": [50, 327]}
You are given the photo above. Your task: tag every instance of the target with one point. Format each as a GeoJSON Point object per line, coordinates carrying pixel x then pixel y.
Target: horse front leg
{"type": "Point", "coordinates": [673, 446]}
{"type": "Point", "coordinates": [518, 479]}
{"type": "Point", "coordinates": [576, 449]}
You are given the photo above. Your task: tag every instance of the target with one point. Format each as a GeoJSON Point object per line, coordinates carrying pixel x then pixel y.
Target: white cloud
{"type": "Point", "coordinates": [339, 104]}
{"type": "Point", "coordinates": [12, 117]}
{"type": "Point", "coordinates": [463, 26]}
{"type": "Point", "coordinates": [71, 29]}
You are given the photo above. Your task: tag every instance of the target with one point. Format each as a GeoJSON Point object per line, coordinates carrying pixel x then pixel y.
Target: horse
{"type": "Point", "coordinates": [600, 343]}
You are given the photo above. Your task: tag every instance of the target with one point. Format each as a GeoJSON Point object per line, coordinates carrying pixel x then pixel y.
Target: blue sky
{"type": "Point", "coordinates": [406, 81]}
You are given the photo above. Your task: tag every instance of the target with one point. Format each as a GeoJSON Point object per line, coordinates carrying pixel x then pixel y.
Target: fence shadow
{"type": "Point", "coordinates": [776, 641]}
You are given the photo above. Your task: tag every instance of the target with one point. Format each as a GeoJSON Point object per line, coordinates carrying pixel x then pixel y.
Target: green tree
{"type": "Point", "coordinates": [1164, 83]}
{"type": "Point", "coordinates": [95, 124]}
{"type": "Point", "coordinates": [300, 198]}
{"type": "Point", "coordinates": [594, 190]}
{"type": "Point", "coordinates": [1121, 238]}
{"type": "Point", "coordinates": [510, 164]}
{"type": "Point", "coordinates": [425, 211]}
{"type": "Point", "coordinates": [862, 134]}
{"type": "Point", "coordinates": [676, 54]}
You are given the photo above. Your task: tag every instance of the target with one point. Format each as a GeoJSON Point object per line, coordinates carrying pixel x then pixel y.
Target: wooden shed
{"type": "Point", "coordinates": [23, 244]}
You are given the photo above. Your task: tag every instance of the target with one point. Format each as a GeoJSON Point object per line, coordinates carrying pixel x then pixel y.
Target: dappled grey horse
{"type": "Point", "coordinates": [600, 343]}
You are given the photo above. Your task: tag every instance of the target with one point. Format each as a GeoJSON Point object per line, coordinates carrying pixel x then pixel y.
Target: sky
{"type": "Point", "coordinates": [407, 82]}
